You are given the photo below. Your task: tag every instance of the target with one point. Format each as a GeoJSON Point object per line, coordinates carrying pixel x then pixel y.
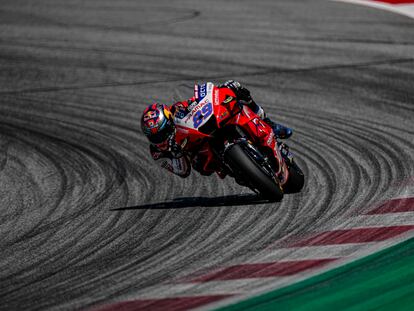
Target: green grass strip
{"type": "Point", "coordinates": [381, 281]}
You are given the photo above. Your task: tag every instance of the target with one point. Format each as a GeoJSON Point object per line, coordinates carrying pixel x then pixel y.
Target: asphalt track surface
{"type": "Point", "coordinates": [86, 217]}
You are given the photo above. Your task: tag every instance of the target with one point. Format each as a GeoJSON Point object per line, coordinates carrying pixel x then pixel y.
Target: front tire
{"type": "Point", "coordinates": [247, 169]}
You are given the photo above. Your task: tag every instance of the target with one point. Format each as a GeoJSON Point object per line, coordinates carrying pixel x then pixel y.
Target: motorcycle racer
{"type": "Point", "coordinates": [157, 123]}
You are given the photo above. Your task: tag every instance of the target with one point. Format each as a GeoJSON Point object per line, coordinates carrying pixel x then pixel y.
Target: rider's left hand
{"type": "Point", "coordinates": [241, 92]}
{"type": "Point", "coordinates": [175, 149]}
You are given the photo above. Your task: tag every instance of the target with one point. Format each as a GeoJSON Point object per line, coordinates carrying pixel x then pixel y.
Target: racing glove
{"type": "Point", "coordinates": [175, 149]}
{"type": "Point", "coordinates": [243, 95]}
{"type": "Point", "coordinates": [178, 166]}
{"type": "Point", "coordinates": [241, 92]}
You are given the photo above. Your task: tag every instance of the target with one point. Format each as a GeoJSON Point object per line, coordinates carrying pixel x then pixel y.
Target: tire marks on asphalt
{"type": "Point", "coordinates": [323, 249]}
{"type": "Point", "coordinates": [70, 105]}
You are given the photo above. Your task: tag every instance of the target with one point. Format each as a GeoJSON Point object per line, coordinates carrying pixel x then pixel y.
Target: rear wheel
{"type": "Point", "coordinates": [246, 168]}
{"type": "Point", "coordinates": [296, 179]}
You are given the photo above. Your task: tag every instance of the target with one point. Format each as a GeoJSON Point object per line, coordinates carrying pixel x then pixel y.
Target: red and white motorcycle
{"type": "Point", "coordinates": [232, 140]}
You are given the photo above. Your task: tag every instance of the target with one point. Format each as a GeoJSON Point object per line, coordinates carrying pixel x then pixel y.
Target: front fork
{"type": "Point", "coordinates": [263, 134]}
{"type": "Point", "coordinates": [258, 157]}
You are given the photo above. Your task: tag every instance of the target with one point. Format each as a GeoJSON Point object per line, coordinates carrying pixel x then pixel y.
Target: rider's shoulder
{"type": "Point", "coordinates": [180, 109]}
{"type": "Point", "coordinates": [177, 106]}
{"type": "Point", "coordinates": [182, 105]}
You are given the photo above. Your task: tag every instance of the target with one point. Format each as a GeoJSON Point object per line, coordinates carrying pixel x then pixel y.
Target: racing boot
{"type": "Point", "coordinates": [280, 130]}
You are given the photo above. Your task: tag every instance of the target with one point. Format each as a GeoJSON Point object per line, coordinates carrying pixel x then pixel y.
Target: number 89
{"type": "Point", "coordinates": [201, 114]}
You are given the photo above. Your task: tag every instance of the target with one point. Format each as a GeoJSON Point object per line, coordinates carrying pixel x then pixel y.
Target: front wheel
{"type": "Point", "coordinates": [245, 167]}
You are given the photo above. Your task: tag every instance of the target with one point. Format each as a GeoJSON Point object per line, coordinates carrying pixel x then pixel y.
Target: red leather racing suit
{"type": "Point", "coordinates": [181, 164]}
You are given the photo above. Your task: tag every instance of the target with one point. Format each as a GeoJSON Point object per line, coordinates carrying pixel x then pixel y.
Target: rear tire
{"type": "Point", "coordinates": [295, 181]}
{"type": "Point", "coordinates": [251, 172]}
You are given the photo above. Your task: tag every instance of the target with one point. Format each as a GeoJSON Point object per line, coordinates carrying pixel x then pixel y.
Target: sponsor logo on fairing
{"type": "Point", "coordinates": [194, 110]}
{"type": "Point", "coordinates": [196, 91]}
{"type": "Point", "coordinates": [202, 91]}
{"type": "Point", "coordinates": [270, 138]}
{"type": "Point", "coordinates": [228, 99]}
{"type": "Point", "coordinates": [192, 105]}
{"type": "Point", "coordinates": [216, 97]}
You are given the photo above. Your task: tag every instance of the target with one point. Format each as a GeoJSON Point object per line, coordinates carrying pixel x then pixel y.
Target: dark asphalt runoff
{"type": "Point", "coordinates": [87, 217]}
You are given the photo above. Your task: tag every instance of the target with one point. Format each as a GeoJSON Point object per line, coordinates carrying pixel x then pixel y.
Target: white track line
{"type": "Point", "coordinates": [227, 287]}
{"type": "Point", "coordinates": [308, 253]}
{"type": "Point", "coordinates": [371, 221]}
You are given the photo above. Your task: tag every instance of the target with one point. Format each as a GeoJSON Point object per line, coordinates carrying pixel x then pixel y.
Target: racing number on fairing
{"type": "Point", "coordinates": [202, 114]}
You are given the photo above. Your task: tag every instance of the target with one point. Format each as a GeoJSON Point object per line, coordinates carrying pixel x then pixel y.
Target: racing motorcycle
{"type": "Point", "coordinates": [228, 138]}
